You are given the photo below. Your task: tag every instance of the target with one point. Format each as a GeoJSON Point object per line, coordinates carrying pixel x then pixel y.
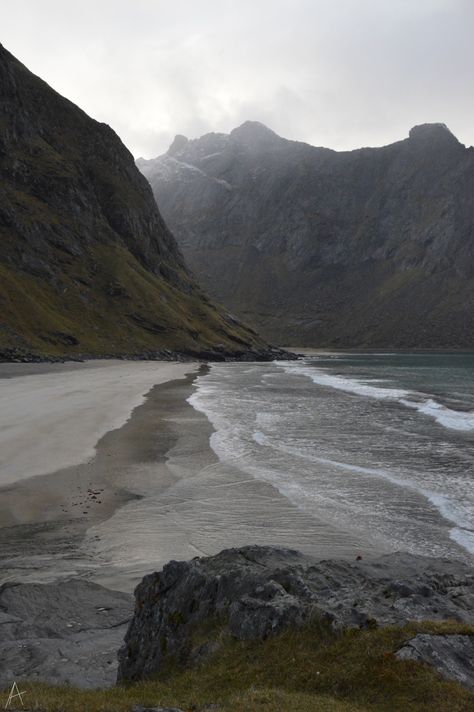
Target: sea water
{"type": "Point", "coordinates": [380, 445]}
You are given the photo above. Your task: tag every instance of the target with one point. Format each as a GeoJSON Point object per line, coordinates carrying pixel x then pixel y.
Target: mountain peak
{"type": "Point", "coordinates": [307, 240]}
{"type": "Point", "coordinates": [254, 134]}
{"type": "Point", "coordinates": [432, 132]}
{"type": "Point", "coordinates": [178, 144]}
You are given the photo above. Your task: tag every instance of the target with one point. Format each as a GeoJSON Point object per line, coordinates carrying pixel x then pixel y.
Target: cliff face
{"type": "Point", "coordinates": [368, 248]}
{"type": "Point", "coordinates": [87, 265]}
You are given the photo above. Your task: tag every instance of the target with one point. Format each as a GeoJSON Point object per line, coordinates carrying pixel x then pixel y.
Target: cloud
{"type": "Point", "coordinates": [340, 73]}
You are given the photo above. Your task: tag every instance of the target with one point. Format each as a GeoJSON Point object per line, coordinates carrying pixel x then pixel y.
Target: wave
{"type": "Point", "coordinates": [446, 417]}
{"type": "Point", "coordinates": [233, 421]}
{"type": "Point", "coordinates": [349, 385]}
{"type": "Point", "coordinates": [451, 510]}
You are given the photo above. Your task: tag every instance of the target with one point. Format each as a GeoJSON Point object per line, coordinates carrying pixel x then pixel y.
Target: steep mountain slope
{"type": "Point", "coordinates": [87, 265]}
{"type": "Point", "coordinates": [367, 248]}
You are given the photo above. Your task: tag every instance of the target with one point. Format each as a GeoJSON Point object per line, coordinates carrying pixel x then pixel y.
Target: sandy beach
{"type": "Point", "coordinates": [111, 469]}
{"type": "Point", "coordinates": [60, 455]}
{"type": "Point", "coordinates": [53, 418]}
{"type": "Point", "coordinates": [135, 489]}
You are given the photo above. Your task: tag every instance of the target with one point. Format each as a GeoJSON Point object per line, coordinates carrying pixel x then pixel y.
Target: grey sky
{"type": "Point", "coordinates": [336, 73]}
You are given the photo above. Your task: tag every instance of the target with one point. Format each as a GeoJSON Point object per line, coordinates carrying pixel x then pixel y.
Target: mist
{"type": "Point", "coordinates": [337, 73]}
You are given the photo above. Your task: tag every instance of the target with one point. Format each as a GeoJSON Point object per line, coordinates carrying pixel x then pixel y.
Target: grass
{"type": "Point", "coordinates": [104, 323]}
{"type": "Point", "coordinates": [313, 669]}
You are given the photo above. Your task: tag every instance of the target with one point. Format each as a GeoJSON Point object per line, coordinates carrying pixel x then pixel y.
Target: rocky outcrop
{"type": "Point", "coordinates": [87, 264]}
{"type": "Point", "coordinates": [63, 633]}
{"type": "Point", "coordinates": [451, 655]}
{"type": "Point", "coordinates": [254, 592]}
{"type": "Point", "coordinates": [216, 353]}
{"type": "Point", "coordinates": [366, 248]}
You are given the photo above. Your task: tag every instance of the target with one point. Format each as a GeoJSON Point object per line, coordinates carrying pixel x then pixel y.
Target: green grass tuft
{"type": "Point", "coordinates": [313, 669]}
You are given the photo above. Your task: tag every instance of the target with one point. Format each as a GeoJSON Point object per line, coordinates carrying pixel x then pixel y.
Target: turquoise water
{"type": "Point", "coordinates": [380, 445]}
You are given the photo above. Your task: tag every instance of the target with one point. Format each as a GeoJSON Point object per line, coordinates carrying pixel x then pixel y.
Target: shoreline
{"type": "Point", "coordinates": [212, 354]}
{"type": "Point", "coordinates": [191, 504]}
{"type": "Point", "coordinates": [44, 517]}
{"type": "Point", "coordinates": [154, 491]}
{"type": "Point", "coordinates": [302, 350]}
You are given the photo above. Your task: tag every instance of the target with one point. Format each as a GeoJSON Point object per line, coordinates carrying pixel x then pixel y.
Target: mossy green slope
{"type": "Point", "coordinates": [313, 669]}
{"type": "Point", "coordinates": [87, 265]}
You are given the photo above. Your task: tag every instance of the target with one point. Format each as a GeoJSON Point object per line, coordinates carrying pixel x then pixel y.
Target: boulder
{"type": "Point", "coordinates": [451, 655]}
{"type": "Point", "coordinates": [255, 591]}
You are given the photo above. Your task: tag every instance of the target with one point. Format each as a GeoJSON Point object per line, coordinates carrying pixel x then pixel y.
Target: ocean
{"type": "Point", "coordinates": [377, 445]}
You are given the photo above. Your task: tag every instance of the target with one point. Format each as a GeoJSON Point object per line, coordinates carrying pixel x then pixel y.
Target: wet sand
{"type": "Point", "coordinates": [59, 417]}
{"type": "Point", "coordinates": [154, 491]}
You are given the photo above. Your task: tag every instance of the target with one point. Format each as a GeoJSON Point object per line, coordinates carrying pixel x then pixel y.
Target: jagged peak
{"type": "Point", "coordinates": [432, 132]}
{"type": "Point", "coordinates": [178, 144]}
{"type": "Point", "coordinates": [254, 133]}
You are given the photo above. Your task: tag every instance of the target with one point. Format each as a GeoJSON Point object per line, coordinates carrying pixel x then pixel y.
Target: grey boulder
{"type": "Point", "coordinates": [451, 655]}
{"type": "Point", "coordinates": [257, 591]}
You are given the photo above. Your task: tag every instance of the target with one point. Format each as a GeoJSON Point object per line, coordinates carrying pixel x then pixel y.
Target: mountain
{"type": "Point", "coordinates": [87, 265]}
{"type": "Point", "coordinates": [365, 248]}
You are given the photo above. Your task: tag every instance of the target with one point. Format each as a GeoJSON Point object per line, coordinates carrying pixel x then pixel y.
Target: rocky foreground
{"type": "Point", "coordinates": [63, 633]}
{"type": "Point", "coordinates": [258, 591]}
{"type": "Point", "coordinates": [70, 632]}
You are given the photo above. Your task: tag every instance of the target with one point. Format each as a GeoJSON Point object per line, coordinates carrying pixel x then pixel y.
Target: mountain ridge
{"type": "Point", "coordinates": [370, 248]}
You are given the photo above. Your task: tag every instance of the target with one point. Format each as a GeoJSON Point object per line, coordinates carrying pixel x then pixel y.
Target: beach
{"type": "Point", "coordinates": [111, 469]}
{"type": "Point", "coordinates": [149, 489]}
{"type": "Point", "coordinates": [52, 415]}
{"type": "Point", "coordinates": [61, 460]}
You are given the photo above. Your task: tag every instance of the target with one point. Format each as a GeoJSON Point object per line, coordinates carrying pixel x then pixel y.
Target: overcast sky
{"type": "Point", "coordinates": [335, 73]}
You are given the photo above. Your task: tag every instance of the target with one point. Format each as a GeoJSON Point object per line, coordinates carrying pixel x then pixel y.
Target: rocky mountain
{"type": "Point", "coordinates": [87, 265]}
{"type": "Point", "coordinates": [365, 248]}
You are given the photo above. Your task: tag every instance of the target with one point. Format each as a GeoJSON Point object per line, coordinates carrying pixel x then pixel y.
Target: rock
{"type": "Point", "coordinates": [451, 655]}
{"type": "Point", "coordinates": [178, 145]}
{"type": "Point", "coordinates": [63, 633]}
{"type": "Point", "coordinates": [368, 248]}
{"type": "Point", "coordinates": [254, 592]}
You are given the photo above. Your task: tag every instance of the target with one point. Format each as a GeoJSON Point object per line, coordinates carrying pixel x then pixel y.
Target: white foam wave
{"type": "Point", "coordinates": [229, 444]}
{"type": "Point", "coordinates": [349, 385]}
{"type": "Point", "coordinates": [464, 538]}
{"type": "Point", "coordinates": [446, 417]}
{"type": "Point", "coordinates": [462, 515]}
